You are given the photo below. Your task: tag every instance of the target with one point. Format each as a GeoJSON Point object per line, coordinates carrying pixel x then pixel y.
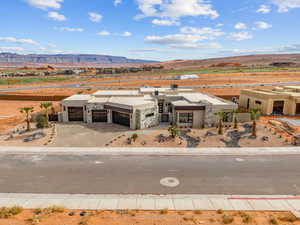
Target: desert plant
{"type": "Point", "coordinates": [41, 121]}
{"type": "Point", "coordinates": [289, 218]}
{"type": "Point", "coordinates": [235, 113]}
{"type": "Point", "coordinates": [27, 111]}
{"type": "Point", "coordinates": [174, 132]}
{"type": "Point", "coordinates": [273, 221]}
{"type": "Point", "coordinates": [254, 115]}
{"type": "Point", "coordinates": [37, 211]}
{"type": "Point", "coordinates": [222, 117]}
{"type": "Point", "coordinates": [54, 209]}
{"type": "Point", "coordinates": [164, 211]}
{"type": "Point", "coordinates": [198, 212]}
{"type": "Point", "coordinates": [134, 137]}
{"type": "Point", "coordinates": [227, 219]}
{"type": "Point", "coordinates": [46, 106]}
{"type": "Point", "coordinates": [220, 211]}
{"type": "Point", "coordinates": [15, 210]}
{"type": "Point", "coordinates": [34, 220]}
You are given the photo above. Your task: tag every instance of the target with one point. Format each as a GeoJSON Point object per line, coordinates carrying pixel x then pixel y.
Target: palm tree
{"type": "Point", "coordinates": [27, 111]}
{"type": "Point", "coordinates": [222, 116]}
{"type": "Point", "coordinates": [46, 106]}
{"type": "Point", "coordinates": [235, 113]}
{"type": "Point", "coordinates": [255, 113]}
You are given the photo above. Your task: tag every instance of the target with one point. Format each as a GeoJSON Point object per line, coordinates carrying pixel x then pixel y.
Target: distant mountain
{"type": "Point", "coordinates": [68, 59]}
{"type": "Point", "coordinates": [247, 60]}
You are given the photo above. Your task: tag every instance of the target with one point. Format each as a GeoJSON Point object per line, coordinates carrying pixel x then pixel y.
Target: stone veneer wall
{"type": "Point", "coordinates": [208, 116]}
{"type": "Point", "coordinates": [144, 122]}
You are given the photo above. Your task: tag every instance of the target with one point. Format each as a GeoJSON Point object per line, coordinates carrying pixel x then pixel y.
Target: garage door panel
{"type": "Point", "coordinates": [99, 116]}
{"type": "Point", "coordinates": [75, 114]}
{"type": "Point", "coordinates": [121, 118]}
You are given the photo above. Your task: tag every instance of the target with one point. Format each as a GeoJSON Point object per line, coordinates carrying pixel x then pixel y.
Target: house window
{"type": "Point", "coordinates": [149, 115]}
{"type": "Point", "coordinates": [64, 108]}
{"type": "Point", "coordinates": [258, 102]}
{"type": "Point", "coordinates": [170, 109]}
{"type": "Point", "coordinates": [160, 107]}
{"type": "Point", "coordinates": [185, 117]}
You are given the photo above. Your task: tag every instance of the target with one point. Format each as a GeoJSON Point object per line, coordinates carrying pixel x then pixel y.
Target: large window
{"type": "Point", "coordinates": [185, 117]}
{"type": "Point", "coordinates": [160, 107]}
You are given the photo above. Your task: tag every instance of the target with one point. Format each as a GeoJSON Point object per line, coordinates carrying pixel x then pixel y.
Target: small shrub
{"type": "Point", "coordinates": [247, 219]}
{"type": "Point", "coordinates": [290, 218]}
{"type": "Point", "coordinates": [54, 209]}
{"type": "Point", "coordinates": [198, 212]}
{"type": "Point", "coordinates": [174, 132]}
{"type": "Point", "coordinates": [84, 220]}
{"type": "Point", "coordinates": [211, 220]}
{"type": "Point", "coordinates": [37, 211]}
{"type": "Point", "coordinates": [273, 221]}
{"type": "Point", "coordinates": [41, 121]}
{"type": "Point", "coordinates": [34, 220]}
{"type": "Point", "coordinates": [15, 210]}
{"type": "Point", "coordinates": [164, 211]}
{"type": "Point", "coordinates": [134, 137]}
{"type": "Point", "coordinates": [4, 213]}
{"type": "Point", "coordinates": [220, 211]}
{"type": "Point", "coordinates": [227, 219]}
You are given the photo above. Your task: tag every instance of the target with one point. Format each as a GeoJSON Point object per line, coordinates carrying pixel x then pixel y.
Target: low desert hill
{"type": "Point", "coordinates": [236, 61]}
{"type": "Point", "coordinates": [12, 59]}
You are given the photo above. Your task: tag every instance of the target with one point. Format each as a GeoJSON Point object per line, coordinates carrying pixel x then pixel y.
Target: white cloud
{"type": "Point", "coordinates": [176, 8]}
{"type": "Point", "coordinates": [95, 17]}
{"type": "Point", "coordinates": [126, 34]}
{"type": "Point", "coordinates": [45, 4]}
{"type": "Point", "coordinates": [286, 5]}
{"type": "Point", "coordinates": [18, 41]}
{"type": "Point", "coordinates": [220, 25]}
{"type": "Point", "coordinates": [264, 9]}
{"type": "Point", "coordinates": [207, 32]}
{"type": "Point", "coordinates": [117, 2]}
{"type": "Point", "coordinates": [240, 26]}
{"type": "Point", "coordinates": [261, 25]}
{"type": "Point", "coordinates": [104, 33]}
{"type": "Point", "coordinates": [71, 29]}
{"type": "Point", "coordinates": [56, 16]}
{"type": "Point", "coordinates": [240, 36]}
{"type": "Point", "coordinates": [181, 41]}
{"type": "Point", "coordinates": [165, 22]}
{"type": "Point", "coordinates": [11, 49]}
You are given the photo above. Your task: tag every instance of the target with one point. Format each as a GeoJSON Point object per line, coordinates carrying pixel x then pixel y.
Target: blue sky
{"type": "Point", "coordinates": [150, 29]}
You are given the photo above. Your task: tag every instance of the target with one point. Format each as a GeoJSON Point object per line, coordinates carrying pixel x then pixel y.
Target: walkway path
{"type": "Point", "coordinates": [154, 202]}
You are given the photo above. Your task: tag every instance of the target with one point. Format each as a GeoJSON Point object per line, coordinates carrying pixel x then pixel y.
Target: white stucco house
{"type": "Point", "coordinates": [146, 107]}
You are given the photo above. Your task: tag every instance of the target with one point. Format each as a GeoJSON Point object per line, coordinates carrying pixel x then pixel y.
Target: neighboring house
{"type": "Point", "coordinates": [278, 101]}
{"type": "Point", "coordinates": [187, 77]}
{"type": "Point", "coordinates": [146, 107]}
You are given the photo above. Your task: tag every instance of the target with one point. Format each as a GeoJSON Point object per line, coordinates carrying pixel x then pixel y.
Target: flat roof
{"type": "Point", "coordinates": [78, 98]}
{"type": "Point", "coordinates": [130, 101]}
{"type": "Point", "coordinates": [197, 97]}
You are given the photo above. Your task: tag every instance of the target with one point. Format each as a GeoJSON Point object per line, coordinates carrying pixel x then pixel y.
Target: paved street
{"type": "Point", "coordinates": [134, 174]}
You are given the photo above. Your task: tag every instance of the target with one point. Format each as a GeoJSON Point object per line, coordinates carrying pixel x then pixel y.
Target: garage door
{"type": "Point", "coordinates": [99, 116]}
{"type": "Point", "coordinates": [121, 118]}
{"type": "Point", "coordinates": [75, 113]}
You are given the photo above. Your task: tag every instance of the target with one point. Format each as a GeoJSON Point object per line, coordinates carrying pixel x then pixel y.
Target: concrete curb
{"type": "Point", "coordinates": [153, 202]}
{"type": "Point", "coordinates": [151, 151]}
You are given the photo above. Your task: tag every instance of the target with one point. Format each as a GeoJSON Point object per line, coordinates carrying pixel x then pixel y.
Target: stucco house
{"type": "Point", "coordinates": [277, 101]}
{"type": "Point", "coordinates": [146, 107]}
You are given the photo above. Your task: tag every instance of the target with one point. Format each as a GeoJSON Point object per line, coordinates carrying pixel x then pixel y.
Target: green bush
{"type": "Point", "coordinates": [41, 121]}
{"type": "Point", "coordinates": [134, 137]}
{"type": "Point", "coordinates": [174, 132]}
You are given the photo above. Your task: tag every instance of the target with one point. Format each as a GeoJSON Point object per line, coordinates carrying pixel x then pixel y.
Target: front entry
{"type": "Point", "coordinates": [99, 116]}
{"type": "Point", "coordinates": [121, 118]}
{"type": "Point", "coordinates": [297, 109]}
{"type": "Point", "coordinates": [278, 107]}
{"type": "Point", "coordinates": [75, 114]}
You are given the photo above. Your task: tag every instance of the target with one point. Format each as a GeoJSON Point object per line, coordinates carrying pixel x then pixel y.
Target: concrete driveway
{"type": "Point", "coordinates": [86, 135]}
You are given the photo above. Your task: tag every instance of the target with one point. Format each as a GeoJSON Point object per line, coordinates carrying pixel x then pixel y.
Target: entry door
{"type": "Point", "coordinates": [75, 114]}
{"type": "Point", "coordinates": [297, 108]}
{"type": "Point", "coordinates": [99, 116]}
{"type": "Point", "coordinates": [278, 107]}
{"type": "Point", "coordinates": [121, 118]}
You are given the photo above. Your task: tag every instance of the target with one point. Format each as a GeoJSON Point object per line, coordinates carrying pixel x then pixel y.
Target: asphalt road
{"type": "Point", "coordinates": [83, 85]}
{"type": "Point", "coordinates": [94, 174]}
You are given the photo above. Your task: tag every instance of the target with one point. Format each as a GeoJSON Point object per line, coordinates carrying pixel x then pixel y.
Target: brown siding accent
{"type": "Point", "coordinates": [189, 107]}
{"type": "Point", "coordinates": [118, 109]}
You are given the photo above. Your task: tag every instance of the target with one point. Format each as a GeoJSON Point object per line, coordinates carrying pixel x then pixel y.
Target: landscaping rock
{"type": "Point", "coordinates": [71, 214]}
{"type": "Point", "coordinates": [34, 137]}
{"type": "Point", "coordinates": [83, 213]}
{"type": "Point", "coordinates": [265, 138]}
